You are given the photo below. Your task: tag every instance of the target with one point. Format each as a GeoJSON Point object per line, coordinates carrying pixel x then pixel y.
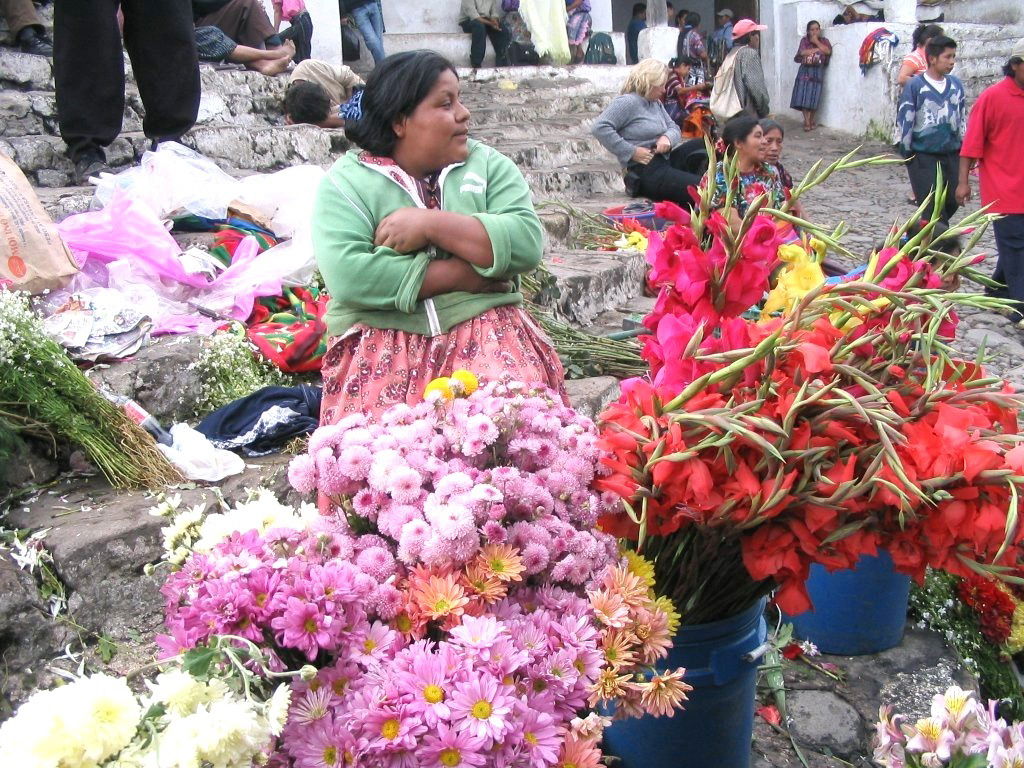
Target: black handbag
{"type": "Point", "coordinates": [350, 45]}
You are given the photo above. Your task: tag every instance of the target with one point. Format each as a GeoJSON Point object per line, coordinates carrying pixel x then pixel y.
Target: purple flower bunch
{"type": "Point", "coordinates": [501, 690]}
{"type": "Point", "coordinates": [510, 464]}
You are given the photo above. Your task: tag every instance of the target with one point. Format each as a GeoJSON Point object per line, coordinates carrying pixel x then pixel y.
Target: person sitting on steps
{"type": "Point", "coordinates": [482, 20]}
{"type": "Point", "coordinates": [246, 24]}
{"type": "Point", "coordinates": [214, 46]}
{"type": "Point", "coordinates": [27, 31]}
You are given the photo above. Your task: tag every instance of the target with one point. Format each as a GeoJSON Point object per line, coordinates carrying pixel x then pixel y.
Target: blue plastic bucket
{"type": "Point", "coordinates": [858, 611]}
{"type": "Point", "coordinates": [714, 731]}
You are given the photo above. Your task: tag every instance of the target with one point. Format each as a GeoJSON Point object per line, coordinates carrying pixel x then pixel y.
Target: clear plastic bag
{"type": "Point", "coordinates": [171, 179]}
{"type": "Point", "coordinates": [198, 458]}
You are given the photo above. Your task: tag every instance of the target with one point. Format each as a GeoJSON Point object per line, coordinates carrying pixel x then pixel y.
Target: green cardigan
{"type": "Point", "coordinates": [377, 286]}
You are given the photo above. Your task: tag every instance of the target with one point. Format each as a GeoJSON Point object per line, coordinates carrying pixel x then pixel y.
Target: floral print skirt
{"type": "Point", "coordinates": [371, 369]}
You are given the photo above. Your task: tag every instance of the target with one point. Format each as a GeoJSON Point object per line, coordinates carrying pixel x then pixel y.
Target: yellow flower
{"type": "Point", "coordinates": [665, 604]}
{"type": "Point", "coordinates": [819, 249]}
{"type": "Point", "coordinates": [442, 385]}
{"type": "Point", "coordinates": [795, 280]}
{"type": "Point", "coordinates": [465, 382]}
{"type": "Point", "coordinates": [640, 567]}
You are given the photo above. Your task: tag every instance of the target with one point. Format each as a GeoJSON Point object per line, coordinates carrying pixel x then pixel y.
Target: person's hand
{"type": "Point", "coordinates": [405, 230]}
{"type": "Point", "coordinates": [642, 155]}
{"type": "Point", "coordinates": [663, 146]}
{"type": "Point", "coordinates": [465, 278]}
{"type": "Point", "coordinates": [963, 192]}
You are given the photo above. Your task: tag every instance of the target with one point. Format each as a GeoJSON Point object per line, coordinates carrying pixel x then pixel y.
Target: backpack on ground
{"type": "Point", "coordinates": [601, 50]}
{"type": "Point", "coordinates": [725, 99]}
{"type": "Point", "coordinates": [522, 54]}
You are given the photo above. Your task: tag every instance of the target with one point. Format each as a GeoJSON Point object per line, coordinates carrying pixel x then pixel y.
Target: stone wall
{"type": "Point", "coordinates": [858, 103]}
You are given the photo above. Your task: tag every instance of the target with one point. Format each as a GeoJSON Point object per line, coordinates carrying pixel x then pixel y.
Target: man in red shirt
{"type": "Point", "coordinates": [993, 139]}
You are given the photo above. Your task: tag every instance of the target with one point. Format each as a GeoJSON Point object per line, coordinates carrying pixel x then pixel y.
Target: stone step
{"type": "Point", "coordinates": [555, 152]}
{"type": "Point", "coordinates": [575, 123]}
{"type": "Point", "coordinates": [232, 93]}
{"type": "Point", "coordinates": [580, 181]}
{"type": "Point", "coordinates": [455, 45]}
{"type": "Point", "coordinates": [591, 282]}
{"type": "Point", "coordinates": [42, 159]}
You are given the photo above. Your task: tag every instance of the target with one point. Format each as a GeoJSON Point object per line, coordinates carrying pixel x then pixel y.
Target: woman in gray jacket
{"type": "Point", "coordinates": [635, 128]}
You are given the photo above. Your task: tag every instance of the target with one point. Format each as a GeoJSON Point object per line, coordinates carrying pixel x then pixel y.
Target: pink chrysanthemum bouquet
{"type": "Point", "coordinates": [454, 604]}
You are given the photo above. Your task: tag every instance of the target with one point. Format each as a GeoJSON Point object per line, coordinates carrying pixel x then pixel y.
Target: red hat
{"type": "Point", "coordinates": [745, 27]}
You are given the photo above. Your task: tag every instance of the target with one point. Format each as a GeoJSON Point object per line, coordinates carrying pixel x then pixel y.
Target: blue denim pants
{"type": "Point", "coordinates": [371, 26]}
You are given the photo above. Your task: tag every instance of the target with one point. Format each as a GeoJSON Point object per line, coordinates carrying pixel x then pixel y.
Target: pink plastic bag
{"type": "Point", "coordinates": [251, 275]}
{"type": "Point", "coordinates": [127, 229]}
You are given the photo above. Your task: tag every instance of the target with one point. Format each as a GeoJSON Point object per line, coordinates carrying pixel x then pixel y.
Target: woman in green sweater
{"type": "Point", "coordinates": [421, 237]}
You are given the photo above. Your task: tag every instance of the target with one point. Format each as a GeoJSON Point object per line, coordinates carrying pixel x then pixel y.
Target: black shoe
{"type": "Point", "coordinates": [31, 41]}
{"type": "Point", "coordinates": [90, 163]}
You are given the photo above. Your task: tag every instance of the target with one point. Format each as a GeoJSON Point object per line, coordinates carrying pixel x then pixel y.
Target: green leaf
{"type": "Point", "coordinates": [106, 648]}
{"type": "Point", "coordinates": [197, 661]}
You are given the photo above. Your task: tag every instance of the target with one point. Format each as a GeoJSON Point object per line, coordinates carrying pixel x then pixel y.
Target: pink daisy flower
{"type": "Point", "coordinates": [482, 707]}
{"type": "Point", "coordinates": [426, 687]}
{"type": "Point", "coordinates": [390, 729]}
{"type": "Point", "coordinates": [449, 748]}
{"type": "Point", "coordinates": [303, 627]}
{"type": "Point", "coordinates": [377, 646]}
{"type": "Point", "coordinates": [322, 745]}
{"type": "Point", "coordinates": [539, 738]}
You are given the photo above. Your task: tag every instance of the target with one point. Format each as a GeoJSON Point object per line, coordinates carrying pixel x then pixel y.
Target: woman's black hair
{"type": "Point", "coordinates": [638, 7]}
{"type": "Point", "coordinates": [1008, 66]}
{"type": "Point", "coordinates": [737, 129]}
{"type": "Point", "coordinates": [393, 91]}
{"type": "Point", "coordinates": [693, 19]}
{"type": "Point", "coordinates": [767, 124]}
{"type": "Point", "coordinates": [924, 32]}
{"type": "Point", "coordinates": [807, 29]}
{"type": "Point", "coordinates": [745, 40]}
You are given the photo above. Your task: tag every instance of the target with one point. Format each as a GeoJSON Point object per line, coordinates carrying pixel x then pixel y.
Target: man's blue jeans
{"type": "Point", "coordinates": [371, 27]}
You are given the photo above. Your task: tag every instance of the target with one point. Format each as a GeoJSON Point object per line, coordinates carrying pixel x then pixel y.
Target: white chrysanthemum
{"type": "Point", "coordinates": [261, 513]}
{"type": "Point", "coordinates": [84, 722]}
{"type": "Point", "coordinates": [277, 709]}
{"type": "Point", "coordinates": [233, 734]}
{"type": "Point", "coordinates": [177, 746]}
{"type": "Point", "coordinates": [36, 735]}
{"type": "Point", "coordinates": [178, 691]}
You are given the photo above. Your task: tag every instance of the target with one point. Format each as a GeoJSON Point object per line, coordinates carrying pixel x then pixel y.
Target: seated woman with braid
{"type": "Point", "coordinates": [421, 236]}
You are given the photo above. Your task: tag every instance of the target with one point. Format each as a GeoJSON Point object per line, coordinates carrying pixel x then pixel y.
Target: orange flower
{"type": "Point", "coordinates": [664, 693]}
{"type": "Point", "coordinates": [629, 586]}
{"type": "Point", "coordinates": [609, 608]}
{"type": "Point", "coordinates": [578, 753]}
{"type": "Point", "coordinates": [618, 649]}
{"type": "Point", "coordinates": [480, 581]}
{"type": "Point", "coordinates": [501, 561]}
{"type": "Point", "coordinates": [609, 685]}
{"type": "Point", "coordinates": [438, 596]}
